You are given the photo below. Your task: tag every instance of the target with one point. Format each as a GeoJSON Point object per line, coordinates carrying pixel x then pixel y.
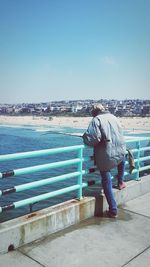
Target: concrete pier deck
{"type": "Point", "coordinates": [95, 242]}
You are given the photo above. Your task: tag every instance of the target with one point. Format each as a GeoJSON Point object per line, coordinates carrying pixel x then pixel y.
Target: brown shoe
{"type": "Point", "coordinates": [120, 186]}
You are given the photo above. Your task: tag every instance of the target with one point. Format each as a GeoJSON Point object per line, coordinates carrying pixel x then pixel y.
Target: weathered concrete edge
{"type": "Point", "coordinates": [28, 228]}
{"type": "Point", "coordinates": [133, 190]}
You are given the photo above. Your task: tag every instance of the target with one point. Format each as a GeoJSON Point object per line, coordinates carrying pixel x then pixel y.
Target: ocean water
{"type": "Point", "coordinates": [22, 139]}
{"type": "Point", "coordinates": [15, 139]}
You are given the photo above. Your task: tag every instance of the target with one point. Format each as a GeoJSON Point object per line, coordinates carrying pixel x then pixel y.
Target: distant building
{"type": "Point", "coordinates": [146, 110]}
{"type": "Point", "coordinates": [76, 108]}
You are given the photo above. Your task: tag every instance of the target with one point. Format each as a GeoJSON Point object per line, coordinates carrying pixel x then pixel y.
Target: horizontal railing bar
{"type": "Point", "coordinates": [38, 153]}
{"type": "Point", "coordinates": [38, 198]}
{"type": "Point", "coordinates": [146, 148]}
{"type": "Point", "coordinates": [134, 150]}
{"type": "Point", "coordinates": [133, 171]}
{"type": "Point", "coordinates": [136, 170]}
{"type": "Point", "coordinates": [140, 159]}
{"type": "Point", "coordinates": [27, 186]}
{"type": "Point", "coordinates": [144, 168]}
{"type": "Point", "coordinates": [138, 140]}
{"type": "Point", "coordinates": [39, 168]}
{"type": "Point", "coordinates": [144, 158]}
{"type": "Point", "coordinates": [94, 169]}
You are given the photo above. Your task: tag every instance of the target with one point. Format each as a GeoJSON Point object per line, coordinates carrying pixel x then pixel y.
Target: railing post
{"type": "Point", "coordinates": [80, 155]}
{"type": "Point", "coordinates": [138, 162]}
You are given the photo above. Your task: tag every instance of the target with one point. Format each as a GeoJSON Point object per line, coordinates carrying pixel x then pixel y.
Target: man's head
{"type": "Point", "coordinates": [96, 109]}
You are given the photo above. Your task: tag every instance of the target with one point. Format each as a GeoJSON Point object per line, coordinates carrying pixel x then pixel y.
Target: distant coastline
{"type": "Point", "coordinates": [133, 123]}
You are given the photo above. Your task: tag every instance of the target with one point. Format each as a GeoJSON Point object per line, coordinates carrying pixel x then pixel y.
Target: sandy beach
{"type": "Point", "coordinates": [142, 123]}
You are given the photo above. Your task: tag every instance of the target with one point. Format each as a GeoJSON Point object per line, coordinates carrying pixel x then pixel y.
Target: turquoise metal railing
{"type": "Point", "coordinates": [137, 146]}
{"type": "Point", "coordinates": [75, 161]}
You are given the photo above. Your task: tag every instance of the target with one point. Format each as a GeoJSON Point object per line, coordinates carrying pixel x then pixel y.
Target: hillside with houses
{"type": "Point", "coordinates": [121, 108]}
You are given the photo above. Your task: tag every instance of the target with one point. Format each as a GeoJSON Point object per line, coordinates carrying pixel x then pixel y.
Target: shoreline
{"type": "Point", "coordinates": [133, 123]}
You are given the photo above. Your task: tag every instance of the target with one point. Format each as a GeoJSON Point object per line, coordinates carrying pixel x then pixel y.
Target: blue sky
{"type": "Point", "coordinates": [74, 49]}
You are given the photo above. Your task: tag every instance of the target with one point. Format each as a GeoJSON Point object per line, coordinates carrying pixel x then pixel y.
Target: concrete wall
{"type": "Point", "coordinates": [36, 225]}
{"type": "Point", "coordinates": [25, 229]}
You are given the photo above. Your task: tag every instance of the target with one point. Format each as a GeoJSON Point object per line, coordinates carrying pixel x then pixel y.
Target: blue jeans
{"type": "Point", "coordinates": [107, 185]}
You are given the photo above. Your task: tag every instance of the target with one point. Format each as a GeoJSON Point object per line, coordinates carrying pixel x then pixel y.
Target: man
{"type": "Point", "coordinates": [105, 135]}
